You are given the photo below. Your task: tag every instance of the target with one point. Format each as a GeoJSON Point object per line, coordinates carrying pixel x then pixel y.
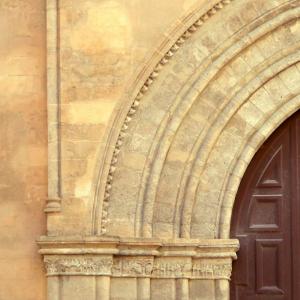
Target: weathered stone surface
{"type": "Point", "coordinates": [23, 148]}
{"type": "Point", "coordinates": [154, 110]}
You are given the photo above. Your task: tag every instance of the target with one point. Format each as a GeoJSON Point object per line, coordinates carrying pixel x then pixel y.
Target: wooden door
{"type": "Point", "coordinates": [266, 220]}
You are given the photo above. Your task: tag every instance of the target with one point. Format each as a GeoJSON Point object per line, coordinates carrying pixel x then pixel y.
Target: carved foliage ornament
{"type": "Point", "coordinates": [122, 266]}
{"type": "Point", "coordinates": [78, 265]}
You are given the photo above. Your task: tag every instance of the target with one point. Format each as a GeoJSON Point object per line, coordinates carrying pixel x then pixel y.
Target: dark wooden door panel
{"type": "Point", "coordinates": [269, 263]}
{"type": "Point", "coordinates": [265, 213]}
{"type": "Point", "coordinates": [272, 174]}
{"type": "Point", "coordinates": [266, 220]}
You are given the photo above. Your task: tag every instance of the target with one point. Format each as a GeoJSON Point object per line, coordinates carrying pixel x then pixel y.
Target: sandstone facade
{"type": "Point", "coordinates": [154, 110]}
{"type": "Point", "coordinates": [23, 149]}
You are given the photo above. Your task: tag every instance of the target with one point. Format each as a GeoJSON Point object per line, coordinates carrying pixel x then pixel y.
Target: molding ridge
{"type": "Point", "coordinates": [143, 90]}
{"type": "Point", "coordinates": [53, 204]}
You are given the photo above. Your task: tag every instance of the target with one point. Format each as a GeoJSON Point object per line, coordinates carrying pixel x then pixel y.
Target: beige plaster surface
{"type": "Point", "coordinates": [23, 148]}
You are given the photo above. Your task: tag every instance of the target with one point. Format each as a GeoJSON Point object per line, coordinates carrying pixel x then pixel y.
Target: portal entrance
{"type": "Point", "coordinates": [266, 220]}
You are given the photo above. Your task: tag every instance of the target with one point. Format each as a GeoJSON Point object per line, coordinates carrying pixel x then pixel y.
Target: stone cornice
{"type": "Point", "coordinates": [197, 259]}
{"type": "Point", "coordinates": [136, 246]}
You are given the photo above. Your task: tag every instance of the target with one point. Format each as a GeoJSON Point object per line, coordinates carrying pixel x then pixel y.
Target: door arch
{"type": "Point", "coordinates": [266, 219]}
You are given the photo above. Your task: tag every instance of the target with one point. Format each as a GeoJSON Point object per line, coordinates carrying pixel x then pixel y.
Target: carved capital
{"type": "Point", "coordinates": [134, 266]}
{"type": "Point", "coordinates": [78, 265]}
{"type": "Point", "coordinates": [201, 259]}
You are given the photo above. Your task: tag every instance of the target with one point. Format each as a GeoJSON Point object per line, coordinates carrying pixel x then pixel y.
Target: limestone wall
{"type": "Point", "coordinates": [133, 106]}
{"type": "Point", "coordinates": [103, 48]}
{"type": "Point", "coordinates": [23, 148]}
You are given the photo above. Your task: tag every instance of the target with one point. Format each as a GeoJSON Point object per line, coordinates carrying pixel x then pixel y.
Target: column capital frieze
{"type": "Point", "coordinates": [131, 257]}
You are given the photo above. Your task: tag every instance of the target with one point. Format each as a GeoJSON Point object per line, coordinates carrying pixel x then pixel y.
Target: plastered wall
{"type": "Point", "coordinates": [23, 148]}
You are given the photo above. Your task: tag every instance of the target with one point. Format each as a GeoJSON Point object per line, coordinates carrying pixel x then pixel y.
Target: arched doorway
{"type": "Point", "coordinates": [266, 220]}
{"type": "Point", "coordinates": [169, 163]}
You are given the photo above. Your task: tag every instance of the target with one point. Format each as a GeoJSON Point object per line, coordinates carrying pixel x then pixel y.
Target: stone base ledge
{"type": "Point", "coordinates": [147, 258]}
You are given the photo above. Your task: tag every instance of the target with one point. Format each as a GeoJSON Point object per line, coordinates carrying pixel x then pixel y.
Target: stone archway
{"type": "Point", "coordinates": [176, 155]}
{"type": "Point", "coordinates": [224, 101]}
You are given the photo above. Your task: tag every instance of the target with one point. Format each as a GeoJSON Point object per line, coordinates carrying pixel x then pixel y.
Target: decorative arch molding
{"type": "Point", "coordinates": [222, 79]}
{"type": "Point", "coordinates": [171, 43]}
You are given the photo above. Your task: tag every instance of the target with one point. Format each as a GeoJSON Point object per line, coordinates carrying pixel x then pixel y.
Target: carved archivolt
{"type": "Point", "coordinates": [228, 88]}
{"type": "Point", "coordinates": [143, 90]}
